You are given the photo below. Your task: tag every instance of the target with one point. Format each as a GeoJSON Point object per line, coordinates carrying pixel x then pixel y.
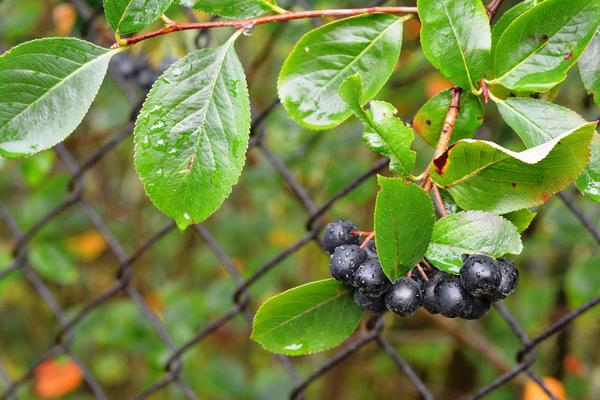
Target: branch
{"type": "Point", "coordinates": [492, 8]}
{"type": "Point", "coordinates": [251, 22]}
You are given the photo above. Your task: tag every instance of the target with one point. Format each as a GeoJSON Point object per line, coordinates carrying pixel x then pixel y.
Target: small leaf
{"type": "Point", "coordinates": [307, 319]}
{"type": "Point", "coordinates": [404, 219]}
{"type": "Point", "coordinates": [325, 57]}
{"type": "Point", "coordinates": [456, 39]}
{"type": "Point", "coordinates": [482, 175]}
{"type": "Point", "coordinates": [130, 16]}
{"type": "Point", "coordinates": [538, 48]}
{"type": "Point", "coordinates": [429, 120]}
{"type": "Point", "coordinates": [589, 68]}
{"type": "Point", "coordinates": [47, 87]}
{"type": "Point", "coordinates": [384, 133]}
{"type": "Point", "coordinates": [506, 19]}
{"type": "Point", "coordinates": [589, 182]}
{"type": "Point", "coordinates": [192, 134]}
{"type": "Point", "coordinates": [536, 121]}
{"type": "Point", "coordinates": [233, 8]}
{"type": "Point", "coordinates": [471, 232]}
{"type": "Point", "coordinates": [521, 218]}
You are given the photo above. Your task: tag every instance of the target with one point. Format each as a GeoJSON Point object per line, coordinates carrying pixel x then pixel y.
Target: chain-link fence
{"type": "Point", "coordinates": [371, 333]}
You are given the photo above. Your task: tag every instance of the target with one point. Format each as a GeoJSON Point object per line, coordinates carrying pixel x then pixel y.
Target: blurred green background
{"type": "Point", "coordinates": [185, 284]}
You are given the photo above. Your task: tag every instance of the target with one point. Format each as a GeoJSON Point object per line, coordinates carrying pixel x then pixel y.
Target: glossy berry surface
{"type": "Point", "coordinates": [338, 233]}
{"type": "Point", "coordinates": [429, 302]}
{"type": "Point", "coordinates": [344, 262]}
{"type": "Point", "coordinates": [452, 299]}
{"type": "Point", "coordinates": [374, 305]}
{"type": "Point", "coordinates": [509, 278]}
{"type": "Point", "coordinates": [371, 250]}
{"type": "Point", "coordinates": [480, 308]}
{"type": "Point", "coordinates": [370, 279]}
{"type": "Point", "coordinates": [404, 297]}
{"type": "Point", "coordinates": [481, 276]}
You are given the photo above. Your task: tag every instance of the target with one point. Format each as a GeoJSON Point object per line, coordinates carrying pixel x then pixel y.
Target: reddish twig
{"type": "Point", "coordinates": [251, 22]}
{"type": "Point", "coordinates": [439, 201]}
{"type": "Point", "coordinates": [492, 8]}
{"type": "Point", "coordinates": [367, 240]}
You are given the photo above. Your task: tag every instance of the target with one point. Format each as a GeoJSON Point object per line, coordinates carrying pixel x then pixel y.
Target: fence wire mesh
{"type": "Point", "coordinates": [371, 333]}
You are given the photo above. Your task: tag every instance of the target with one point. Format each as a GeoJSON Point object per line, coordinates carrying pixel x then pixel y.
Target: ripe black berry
{"type": "Point", "coordinates": [370, 279]}
{"type": "Point", "coordinates": [344, 262]}
{"type": "Point", "coordinates": [371, 249]}
{"type": "Point", "coordinates": [480, 307]}
{"type": "Point", "coordinates": [452, 299]}
{"type": "Point", "coordinates": [429, 301]}
{"type": "Point", "coordinates": [404, 297]}
{"type": "Point", "coordinates": [338, 233]}
{"type": "Point", "coordinates": [481, 276]}
{"type": "Point", "coordinates": [509, 280]}
{"type": "Point", "coordinates": [371, 304]}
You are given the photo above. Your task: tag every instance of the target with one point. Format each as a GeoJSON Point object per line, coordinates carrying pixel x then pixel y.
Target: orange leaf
{"type": "Point", "coordinates": [64, 16]}
{"type": "Point", "coordinates": [533, 391]}
{"type": "Point", "coordinates": [87, 246]}
{"type": "Point", "coordinates": [55, 378]}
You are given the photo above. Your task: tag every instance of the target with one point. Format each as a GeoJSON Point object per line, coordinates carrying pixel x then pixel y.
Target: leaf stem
{"type": "Point", "coordinates": [245, 23]}
{"type": "Point", "coordinates": [492, 8]}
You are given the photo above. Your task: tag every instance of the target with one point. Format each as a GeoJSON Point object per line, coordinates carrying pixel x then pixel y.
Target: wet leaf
{"type": "Point", "coordinates": [307, 319]}
{"type": "Point", "coordinates": [47, 87]}
{"type": "Point", "coordinates": [130, 16]}
{"type": "Point", "coordinates": [471, 232]}
{"type": "Point", "coordinates": [589, 67]}
{"type": "Point", "coordinates": [192, 134]}
{"type": "Point", "coordinates": [404, 219]}
{"type": "Point", "coordinates": [325, 57]}
{"type": "Point", "coordinates": [233, 8]}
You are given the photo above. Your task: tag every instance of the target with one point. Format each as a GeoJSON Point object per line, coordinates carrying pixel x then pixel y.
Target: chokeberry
{"type": "Point", "coordinates": [404, 297]}
{"type": "Point", "coordinates": [375, 305]}
{"type": "Point", "coordinates": [370, 279]}
{"type": "Point", "coordinates": [371, 249]}
{"type": "Point", "coordinates": [338, 233]}
{"type": "Point", "coordinates": [481, 276]}
{"type": "Point", "coordinates": [510, 278]}
{"type": "Point", "coordinates": [480, 307]}
{"type": "Point", "coordinates": [344, 262]}
{"type": "Point", "coordinates": [429, 301]}
{"type": "Point", "coordinates": [451, 298]}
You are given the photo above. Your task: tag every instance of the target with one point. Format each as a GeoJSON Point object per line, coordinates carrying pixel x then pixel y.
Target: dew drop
{"type": "Point", "coordinates": [159, 172]}
{"type": "Point", "coordinates": [306, 49]}
{"type": "Point", "coordinates": [146, 142]}
{"type": "Point", "coordinates": [176, 71]}
{"type": "Point", "coordinates": [248, 30]}
{"type": "Point", "coordinates": [186, 216]}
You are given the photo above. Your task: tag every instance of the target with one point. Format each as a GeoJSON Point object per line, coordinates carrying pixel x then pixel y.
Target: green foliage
{"type": "Point", "coordinates": [521, 218]}
{"type": "Point", "coordinates": [589, 67]}
{"type": "Point", "coordinates": [456, 39]}
{"type": "Point", "coordinates": [506, 19]}
{"type": "Point", "coordinates": [583, 281]}
{"type": "Point", "coordinates": [325, 57]}
{"type": "Point", "coordinates": [130, 16]}
{"type": "Point", "coordinates": [404, 219]}
{"type": "Point", "coordinates": [471, 232]}
{"type": "Point", "coordinates": [309, 318]}
{"type": "Point", "coordinates": [233, 8]}
{"type": "Point", "coordinates": [384, 133]}
{"type": "Point", "coordinates": [538, 48]}
{"type": "Point", "coordinates": [589, 182]}
{"type": "Point", "coordinates": [429, 120]}
{"type": "Point", "coordinates": [47, 86]}
{"type": "Point", "coordinates": [192, 134]}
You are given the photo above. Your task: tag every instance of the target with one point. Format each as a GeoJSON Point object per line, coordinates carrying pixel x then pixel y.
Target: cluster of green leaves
{"type": "Point", "coordinates": [192, 133]}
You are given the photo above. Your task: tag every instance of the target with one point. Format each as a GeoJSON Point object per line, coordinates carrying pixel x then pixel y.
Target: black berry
{"type": "Point", "coordinates": [429, 301]}
{"type": "Point", "coordinates": [452, 299]}
{"type": "Point", "coordinates": [404, 297]}
{"type": "Point", "coordinates": [481, 276]}
{"type": "Point", "coordinates": [480, 307]}
{"type": "Point", "coordinates": [371, 304]}
{"type": "Point", "coordinates": [344, 262]}
{"type": "Point", "coordinates": [338, 233]}
{"type": "Point", "coordinates": [371, 249]}
{"type": "Point", "coordinates": [370, 279]}
{"type": "Point", "coordinates": [509, 278]}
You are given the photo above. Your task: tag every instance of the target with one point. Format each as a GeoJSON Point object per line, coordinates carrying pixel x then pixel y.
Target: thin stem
{"type": "Point", "coordinates": [367, 240]}
{"type": "Point", "coordinates": [247, 23]}
{"type": "Point", "coordinates": [492, 8]}
{"type": "Point", "coordinates": [439, 201]}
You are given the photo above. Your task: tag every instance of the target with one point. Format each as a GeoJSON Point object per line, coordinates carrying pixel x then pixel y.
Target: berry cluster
{"type": "Point", "coordinates": [482, 279]}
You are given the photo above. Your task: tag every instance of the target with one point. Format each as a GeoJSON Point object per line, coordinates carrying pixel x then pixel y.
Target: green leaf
{"type": "Point", "coordinates": [538, 48]}
{"type": "Point", "coordinates": [53, 261]}
{"type": "Point", "coordinates": [325, 57]}
{"type": "Point", "coordinates": [536, 121]}
{"type": "Point", "coordinates": [589, 182]}
{"type": "Point", "coordinates": [456, 38]}
{"type": "Point", "coordinates": [582, 282]}
{"type": "Point", "coordinates": [307, 319]}
{"type": "Point", "coordinates": [589, 68]}
{"type": "Point", "coordinates": [192, 134]}
{"type": "Point", "coordinates": [404, 219]}
{"type": "Point", "coordinates": [47, 86]}
{"type": "Point", "coordinates": [130, 16]}
{"type": "Point", "coordinates": [506, 19]}
{"type": "Point", "coordinates": [482, 175]}
{"type": "Point", "coordinates": [233, 8]}
{"type": "Point", "coordinates": [429, 120]}
{"type": "Point", "coordinates": [384, 133]}
{"type": "Point", "coordinates": [521, 218]}
{"type": "Point", "coordinates": [471, 232]}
